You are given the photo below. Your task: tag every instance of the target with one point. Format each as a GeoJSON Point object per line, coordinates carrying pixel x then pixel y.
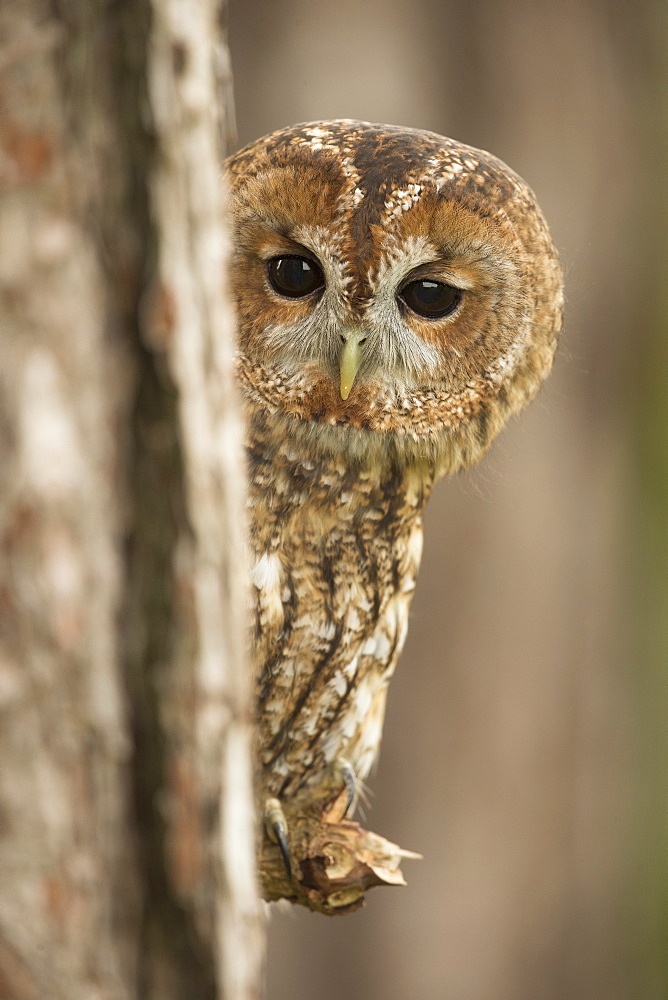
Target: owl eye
{"type": "Point", "coordinates": [431, 299]}
{"type": "Point", "coordinates": [294, 276]}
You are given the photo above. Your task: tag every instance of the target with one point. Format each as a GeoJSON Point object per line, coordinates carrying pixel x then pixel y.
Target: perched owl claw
{"type": "Point", "coordinates": [344, 770]}
{"type": "Point", "coordinates": [338, 778]}
{"type": "Point", "coordinates": [277, 830]}
{"type": "Point", "coordinates": [314, 856]}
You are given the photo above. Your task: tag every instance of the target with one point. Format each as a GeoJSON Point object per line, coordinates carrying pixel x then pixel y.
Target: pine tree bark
{"type": "Point", "coordinates": [126, 817]}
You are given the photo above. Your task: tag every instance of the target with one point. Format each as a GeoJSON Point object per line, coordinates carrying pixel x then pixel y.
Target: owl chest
{"type": "Point", "coordinates": [334, 572]}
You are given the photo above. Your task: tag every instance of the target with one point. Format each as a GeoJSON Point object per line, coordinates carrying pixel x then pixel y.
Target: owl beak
{"type": "Point", "coordinates": [350, 359]}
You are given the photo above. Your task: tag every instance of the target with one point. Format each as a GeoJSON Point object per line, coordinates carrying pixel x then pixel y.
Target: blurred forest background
{"type": "Point", "coordinates": [524, 752]}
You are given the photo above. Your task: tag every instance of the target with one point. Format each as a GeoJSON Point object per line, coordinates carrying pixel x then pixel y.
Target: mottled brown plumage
{"type": "Point", "coordinates": [339, 475]}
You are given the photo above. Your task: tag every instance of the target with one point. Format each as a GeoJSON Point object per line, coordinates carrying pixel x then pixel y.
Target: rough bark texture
{"type": "Point", "coordinates": [188, 310]}
{"type": "Point", "coordinates": [124, 693]}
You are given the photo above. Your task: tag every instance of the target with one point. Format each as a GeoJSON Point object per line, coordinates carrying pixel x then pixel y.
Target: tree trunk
{"type": "Point", "coordinates": [126, 818]}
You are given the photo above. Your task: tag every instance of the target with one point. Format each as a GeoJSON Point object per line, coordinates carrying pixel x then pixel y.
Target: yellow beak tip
{"type": "Point", "coordinates": [349, 362]}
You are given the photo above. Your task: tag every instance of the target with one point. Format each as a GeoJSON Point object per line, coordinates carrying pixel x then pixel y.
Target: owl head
{"type": "Point", "coordinates": [398, 294]}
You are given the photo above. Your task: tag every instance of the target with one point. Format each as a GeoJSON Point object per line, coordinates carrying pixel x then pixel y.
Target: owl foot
{"type": "Point", "coordinates": [326, 798]}
{"type": "Point", "coordinates": [315, 856]}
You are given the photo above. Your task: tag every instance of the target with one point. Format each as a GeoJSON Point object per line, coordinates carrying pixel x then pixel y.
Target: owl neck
{"type": "Point", "coordinates": [273, 430]}
{"type": "Point", "coordinates": [323, 467]}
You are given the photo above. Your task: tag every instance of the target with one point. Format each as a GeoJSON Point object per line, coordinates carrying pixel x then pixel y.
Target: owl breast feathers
{"type": "Point", "coordinates": [398, 297]}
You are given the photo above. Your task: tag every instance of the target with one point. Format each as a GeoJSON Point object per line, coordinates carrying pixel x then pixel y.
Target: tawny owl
{"type": "Point", "coordinates": [398, 298]}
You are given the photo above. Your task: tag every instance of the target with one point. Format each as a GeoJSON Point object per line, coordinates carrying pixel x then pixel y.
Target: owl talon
{"type": "Point", "coordinates": [276, 826]}
{"type": "Point", "coordinates": [346, 772]}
